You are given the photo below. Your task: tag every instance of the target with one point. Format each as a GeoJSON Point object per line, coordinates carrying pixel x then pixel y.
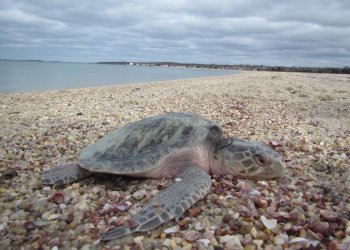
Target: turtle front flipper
{"type": "Point", "coordinates": [191, 185]}
{"type": "Point", "coordinates": [64, 174]}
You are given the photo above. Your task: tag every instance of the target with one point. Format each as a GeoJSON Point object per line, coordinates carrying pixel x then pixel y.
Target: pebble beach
{"type": "Point", "coordinates": [305, 117]}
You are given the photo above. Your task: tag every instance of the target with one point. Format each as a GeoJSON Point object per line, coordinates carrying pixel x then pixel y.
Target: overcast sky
{"type": "Point", "coordinates": [274, 32]}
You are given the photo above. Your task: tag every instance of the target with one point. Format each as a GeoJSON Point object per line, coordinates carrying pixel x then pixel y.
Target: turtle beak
{"type": "Point", "coordinates": [280, 168]}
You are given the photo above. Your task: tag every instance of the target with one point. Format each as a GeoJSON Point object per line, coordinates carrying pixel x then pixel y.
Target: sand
{"type": "Point", "coordinates": [306, 117]}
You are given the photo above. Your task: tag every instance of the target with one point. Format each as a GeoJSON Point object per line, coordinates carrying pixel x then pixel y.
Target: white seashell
{"type": "Point", "coordinates": [88, 226]}
{"type": "Point", "coordinates": [263, 183]}
{"type": "Point", "coordinates": [208, 234]}
{"type": "Point", "coordinates": [106, 207]}
{"type": "Point", "coordinates": [278, 241]}
{"type": "Point", "coordinates": [297, 239]}
{"type": "Point", "coordinates": [254, 192]}
{"type": "Point", "coordinates": [96, 242]}
{"type": "Point", "coordinates": [281, 239]}
{"type": "Point", "coordinates": [199, 226]}
{"type": "Point", "coordinates": [54, 217]}
{"type": "Point", "coordinates": [139, 194]}
{"type": "Point", "coordinates": [62, 206]}
{"type": "Point", "coordinates": [110, 220]}
{"type": "Point", "coordinates": [253, 232]}
{"type": "Point", "coordinates": [171, 230]}
{"type": "Point", "coordinates": [258, 243]}
{"type": "Point", "coordinates": [205, 242]}
{"type": "Point", "coordinates": [82, 205]}
{"type": "Point", "coordinates": [192, 236]}
{"type": "Point", "coordinates": [96, 190]}
{"type": "Point", "coordinates": [3, 226]}
{"type": "Point", "coordinates": [123, 206]}
{"type": "Point", "coordinates": [228, 198]}
{"type": "Point", "coordinates": [178, 179]}
{"type": "Point", "coordinates": [269, 224]}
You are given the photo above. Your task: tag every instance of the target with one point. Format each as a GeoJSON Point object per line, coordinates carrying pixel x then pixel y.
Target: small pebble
{"type": "Point", "coordinates": [319, 227]}
{"type": "Point", "coordinates": [82, 205]}
{"type": "Point", "coordinates": [19, 215]}
{"type": "Point", "coordinates": [139, 194]}
{"type": "Point", "coordinates": [253, 232]}
{"type": "Point", "coordinates": [172, 230]}
{"type": "Point", "coordinates": [258, 243]}
{"type": "Point", "coordinates": [226, 238]}
{"type": "Point", "coordinates": [278, 240]}
{"type": "Point", "coordinates": [54, 217]}
{"type": "Point", "coordinates": [208, 235]}
{"type": "Point", "coordinates": [297, 239]}
{"type": "Point", "coordinates": [40, 203]}
{"type": "Point", "coordinates": [347, 231]}
{"type": "Point", "coordinates": [234, 244]}
{"type": "Point", "coordinates": [57, 197]}
{"type": "Point", "coordinates": [10, 173]}
{"type": "Point", "coordinates": [166, 243]}
{"type": "Point", "coordinates": [192, 236]}
{"type": "Point", "coordinates": [139, 239]}
{"type": "Point", "coordinates": [96, 190]}
{"type": "Point", "coordinates": [123, 206]}
{"type": "Point", "coordinates": [329, 215]}
{"type": "Point", "coordinates": [268, 223]}
{"type": "Point", "coordinates": [199, 226]}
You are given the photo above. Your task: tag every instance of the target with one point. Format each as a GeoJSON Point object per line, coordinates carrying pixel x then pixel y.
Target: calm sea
{"type": "Point", "coordinates": [27, 76]}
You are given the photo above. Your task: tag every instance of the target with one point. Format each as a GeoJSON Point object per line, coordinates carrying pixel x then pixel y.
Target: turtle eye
{"type": "Point", "coordinates": [260, 160]}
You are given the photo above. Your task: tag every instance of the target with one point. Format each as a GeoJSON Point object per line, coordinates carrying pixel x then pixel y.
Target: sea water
{"type": "Point", "coordinates": [28, 76]}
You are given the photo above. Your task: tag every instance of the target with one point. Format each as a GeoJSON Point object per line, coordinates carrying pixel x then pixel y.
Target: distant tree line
{"type": "Point", "coordinates": [345, 70]}
{"type": "Point", "coordinates": [331, 70]}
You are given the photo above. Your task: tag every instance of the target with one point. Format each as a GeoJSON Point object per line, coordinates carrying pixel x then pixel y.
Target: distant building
{"type": "Point", "coordinates": [131, 64]}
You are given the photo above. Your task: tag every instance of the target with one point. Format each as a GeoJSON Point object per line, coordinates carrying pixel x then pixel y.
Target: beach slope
{"type": "Point", "coordinates": [306, 117]}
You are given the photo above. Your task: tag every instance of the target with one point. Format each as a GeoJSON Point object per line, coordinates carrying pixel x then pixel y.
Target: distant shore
{"type": "Point", "coordinates": [247, 67]}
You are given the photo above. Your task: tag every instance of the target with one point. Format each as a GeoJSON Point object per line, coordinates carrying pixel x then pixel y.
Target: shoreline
{"type": "Point", "coordinates": [305, 116]}
{"type": "Point", "coordinates": [113, 85]}
{"type": "Point", "coordinates": [23, 76]}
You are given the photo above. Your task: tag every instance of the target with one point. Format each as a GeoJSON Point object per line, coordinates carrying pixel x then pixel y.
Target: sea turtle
{"type": "Point", "coordinates": [182, 146]}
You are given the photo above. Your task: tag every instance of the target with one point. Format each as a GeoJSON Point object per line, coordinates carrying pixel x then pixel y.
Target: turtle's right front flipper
{"type": "Point", "coordinates": [64, 173]}
{"type": "Point", "coordinates": [191, 185]}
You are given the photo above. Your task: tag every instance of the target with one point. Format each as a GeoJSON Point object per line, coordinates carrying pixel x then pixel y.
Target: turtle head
{"type": "Point", "coordinates": [249, 159]}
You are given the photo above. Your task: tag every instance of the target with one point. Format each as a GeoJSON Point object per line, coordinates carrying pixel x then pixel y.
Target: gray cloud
{"type": "Point", "coordinates": [311, 33]}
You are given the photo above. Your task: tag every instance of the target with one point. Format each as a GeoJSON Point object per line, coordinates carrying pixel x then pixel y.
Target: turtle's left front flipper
{"type": "Point", "coordinates": [191, 185]}
{"type": "Point", "coordinates": [64, 173]}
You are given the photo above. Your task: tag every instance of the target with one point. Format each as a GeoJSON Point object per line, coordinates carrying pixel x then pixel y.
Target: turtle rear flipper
{"type": "Point", "coordinates": [64, 174]}
{"type": "Point", "coordinates": [191, 185]}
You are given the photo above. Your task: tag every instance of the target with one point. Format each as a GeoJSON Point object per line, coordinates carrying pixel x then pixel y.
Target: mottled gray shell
{"type": "Point", "coordinates": [139, 146]}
